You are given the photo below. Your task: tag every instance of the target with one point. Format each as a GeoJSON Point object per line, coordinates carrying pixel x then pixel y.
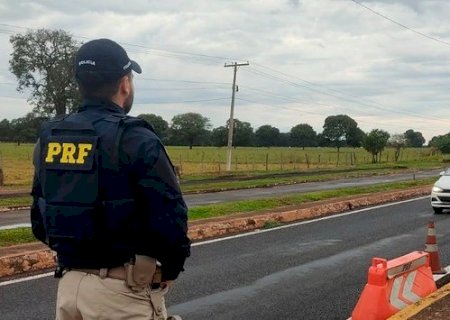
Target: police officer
{"type": "Point", "coordinates": [106, 198]}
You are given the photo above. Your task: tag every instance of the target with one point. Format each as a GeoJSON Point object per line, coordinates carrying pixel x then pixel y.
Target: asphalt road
{"type": "Point", "coordinates": [22, 216]}
{"type": "Point", "coordinates": [311, 270]}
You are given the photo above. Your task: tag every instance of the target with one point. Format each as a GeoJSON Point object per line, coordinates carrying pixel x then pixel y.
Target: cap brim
{"type": "Point", "coordinates": [135, 67]}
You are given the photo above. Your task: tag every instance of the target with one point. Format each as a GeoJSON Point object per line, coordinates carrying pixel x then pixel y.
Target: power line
{"type": "Point", "coordinates": [187, 81]}
{"type": "Point", "coordinates": [176, 89]}
{"type": "Point", "coordinates": [387, 124]}
{"type": "Point", "coordinates": [162, 51]}
{"type": "Point", "coordinates": [279, 107]}
{"type": "Point", "coordinates": [400, 24]}
{"type": "Point", "coordinates": [351, 99]}
{"type": "Point", "coordinates": [181, 53]}
{"type": "Point", "coordinates": [191, 101]}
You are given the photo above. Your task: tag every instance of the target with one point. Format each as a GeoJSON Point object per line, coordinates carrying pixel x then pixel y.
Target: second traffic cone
{"type": "Point", "coordinates": [432, 248]}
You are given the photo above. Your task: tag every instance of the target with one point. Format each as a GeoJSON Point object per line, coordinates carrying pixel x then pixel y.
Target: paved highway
{"type": "Point", "coordinates": [21, 216]}
{"type": "Point", "coordinates": [310, 270]}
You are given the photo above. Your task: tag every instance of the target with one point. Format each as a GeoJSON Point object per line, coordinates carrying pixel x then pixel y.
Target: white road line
{"type": "Point", "coordinates": [14, 226]}
{"type": "Point", "coordinates": [246, 234]}
{"type": "Point", "coordinates": [43, 275]}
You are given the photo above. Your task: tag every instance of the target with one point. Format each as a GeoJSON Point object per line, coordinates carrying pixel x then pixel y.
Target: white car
{"type": "Point", "coordinates": [440, 194]}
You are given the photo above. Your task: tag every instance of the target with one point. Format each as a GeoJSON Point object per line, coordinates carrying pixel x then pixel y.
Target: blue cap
{"type": "Point", "coordinates": [102, 60]}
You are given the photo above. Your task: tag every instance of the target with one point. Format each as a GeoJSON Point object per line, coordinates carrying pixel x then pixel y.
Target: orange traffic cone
{"type": "Point", "coordinates": [432, 248]}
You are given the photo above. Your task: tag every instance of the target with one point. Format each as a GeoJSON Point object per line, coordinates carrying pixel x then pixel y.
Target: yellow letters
{"type": "Point", "coordinates": [82, 153]}
{"type": "Point", "coordinates": [69, 150]}
{"type": "Point", "coordinates": [54, 148]}
{"type": "Point", "coordinates": [69, 153]}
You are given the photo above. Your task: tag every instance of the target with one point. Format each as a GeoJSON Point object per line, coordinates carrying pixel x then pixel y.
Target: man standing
{"type": "Point", "coordinates": [106, 198]}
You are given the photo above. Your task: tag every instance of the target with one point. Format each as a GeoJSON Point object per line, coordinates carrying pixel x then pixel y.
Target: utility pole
{"type": "Point", "coordinates": [231, 122]}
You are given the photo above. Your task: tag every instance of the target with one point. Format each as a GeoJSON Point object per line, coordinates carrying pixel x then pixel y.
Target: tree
{"type": "Point", "coordinates": [219, 136]}
{"type": "Point", "coordinates": [442, 143]}
{"type": "Point", "coordinates": [189, 128]}
{"type": "Point", "coordinates": [158, 123]}
{"type": "Point", "coordinates": [414, 139]}
{"type": "Point", "coordinates": [337, 129]}
{"type": "Point", "coordinates": [375, 142]}
{"type": "Point", "coordinates": [243, 134]}
{"type": "Point", "coordinates": [267, 136]}
{"type": "Point", "coordinates": [355, 137]}
{"type": "Point", "coordinates": [5, 130]}
{"type": "Point", "coordinates": [303, 135]}
{"type": "Point", "coordinates": [26, 129]}
{"type": "Point", "coordinates": [398, 142]}
{"type": "Point", "coordinates": [284, 139]}
{"type": "Point", "coordinates": [322, 141]}
{"type": "Point", "coordinates": [42, 62]}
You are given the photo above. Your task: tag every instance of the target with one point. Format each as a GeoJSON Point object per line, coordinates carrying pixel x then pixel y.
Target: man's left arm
{"type": "Point", "coordinates": [162, 210]}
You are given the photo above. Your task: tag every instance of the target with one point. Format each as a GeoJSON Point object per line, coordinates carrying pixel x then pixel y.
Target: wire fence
{"type": "Point", "coordinates": [213, 160]}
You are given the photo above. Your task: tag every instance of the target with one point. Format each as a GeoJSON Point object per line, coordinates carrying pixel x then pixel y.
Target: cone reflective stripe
{"type": "Point", "coordinates": [432, 248]}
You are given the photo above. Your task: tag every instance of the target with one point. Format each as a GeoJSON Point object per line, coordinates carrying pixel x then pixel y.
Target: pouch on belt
{"type": "Point", "coordinates": [140, 274]}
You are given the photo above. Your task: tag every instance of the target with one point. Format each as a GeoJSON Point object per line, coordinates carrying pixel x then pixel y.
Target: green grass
{"type": "Point", "coordinates": [12, 237]}
{"type": "Point", "coordinates": [223, 209]}
{"type": "Point", "coordinates": [16, 162]}
{"type": "Point", "coordinates": [271, 224]}
{"type": "Point", "coordinates": [15, 202]}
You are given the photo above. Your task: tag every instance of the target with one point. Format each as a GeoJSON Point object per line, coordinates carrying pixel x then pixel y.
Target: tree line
{"type": "Point", "coordinates": [193, 129]}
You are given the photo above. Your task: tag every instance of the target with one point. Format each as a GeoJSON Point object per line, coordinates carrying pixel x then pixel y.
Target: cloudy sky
{"type": "Point", "coordinates": [308, 58]}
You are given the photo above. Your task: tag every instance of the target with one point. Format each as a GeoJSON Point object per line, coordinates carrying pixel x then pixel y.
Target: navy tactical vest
{"type": "Point", "coordinates": [88, 205]}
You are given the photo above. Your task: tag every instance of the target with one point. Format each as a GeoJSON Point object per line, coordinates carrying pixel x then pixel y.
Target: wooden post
{"type": "Point", "coordinates": [236, 165]}
{"type": "Point", "coordinates": [307, 160]}
{"type": "Point", "coordinates": [267, 161]}
{"type": "Point", "coordinates": [2, 177]}
{"type": "Point", "coordinates": [281, 160]}
{"type": "Point", "coordinates": [202, 161]}
{"type": "Point", "coordinates": [253, 162]}
{"type": "Point", "coordinates": [181, 163]}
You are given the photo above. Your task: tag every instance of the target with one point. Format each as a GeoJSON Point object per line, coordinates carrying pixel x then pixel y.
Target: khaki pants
{"type": "Point", "coordinates": [83, 296]}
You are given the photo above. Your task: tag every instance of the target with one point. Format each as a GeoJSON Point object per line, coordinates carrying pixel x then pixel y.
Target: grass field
{"type": "Point", "coordinates": [204, 162]}
{"type": "Point", "coordinates": [16, 236]}
{"type": "Point", "coordinates": [16, 162]}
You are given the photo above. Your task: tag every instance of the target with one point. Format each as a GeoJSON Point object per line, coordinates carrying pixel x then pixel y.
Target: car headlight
{"type": "Point", "coordinates": [437, 189]}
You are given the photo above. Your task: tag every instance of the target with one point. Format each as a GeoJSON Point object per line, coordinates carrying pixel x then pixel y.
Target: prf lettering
{"type": "Point", "coordinates": [68, 152]}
